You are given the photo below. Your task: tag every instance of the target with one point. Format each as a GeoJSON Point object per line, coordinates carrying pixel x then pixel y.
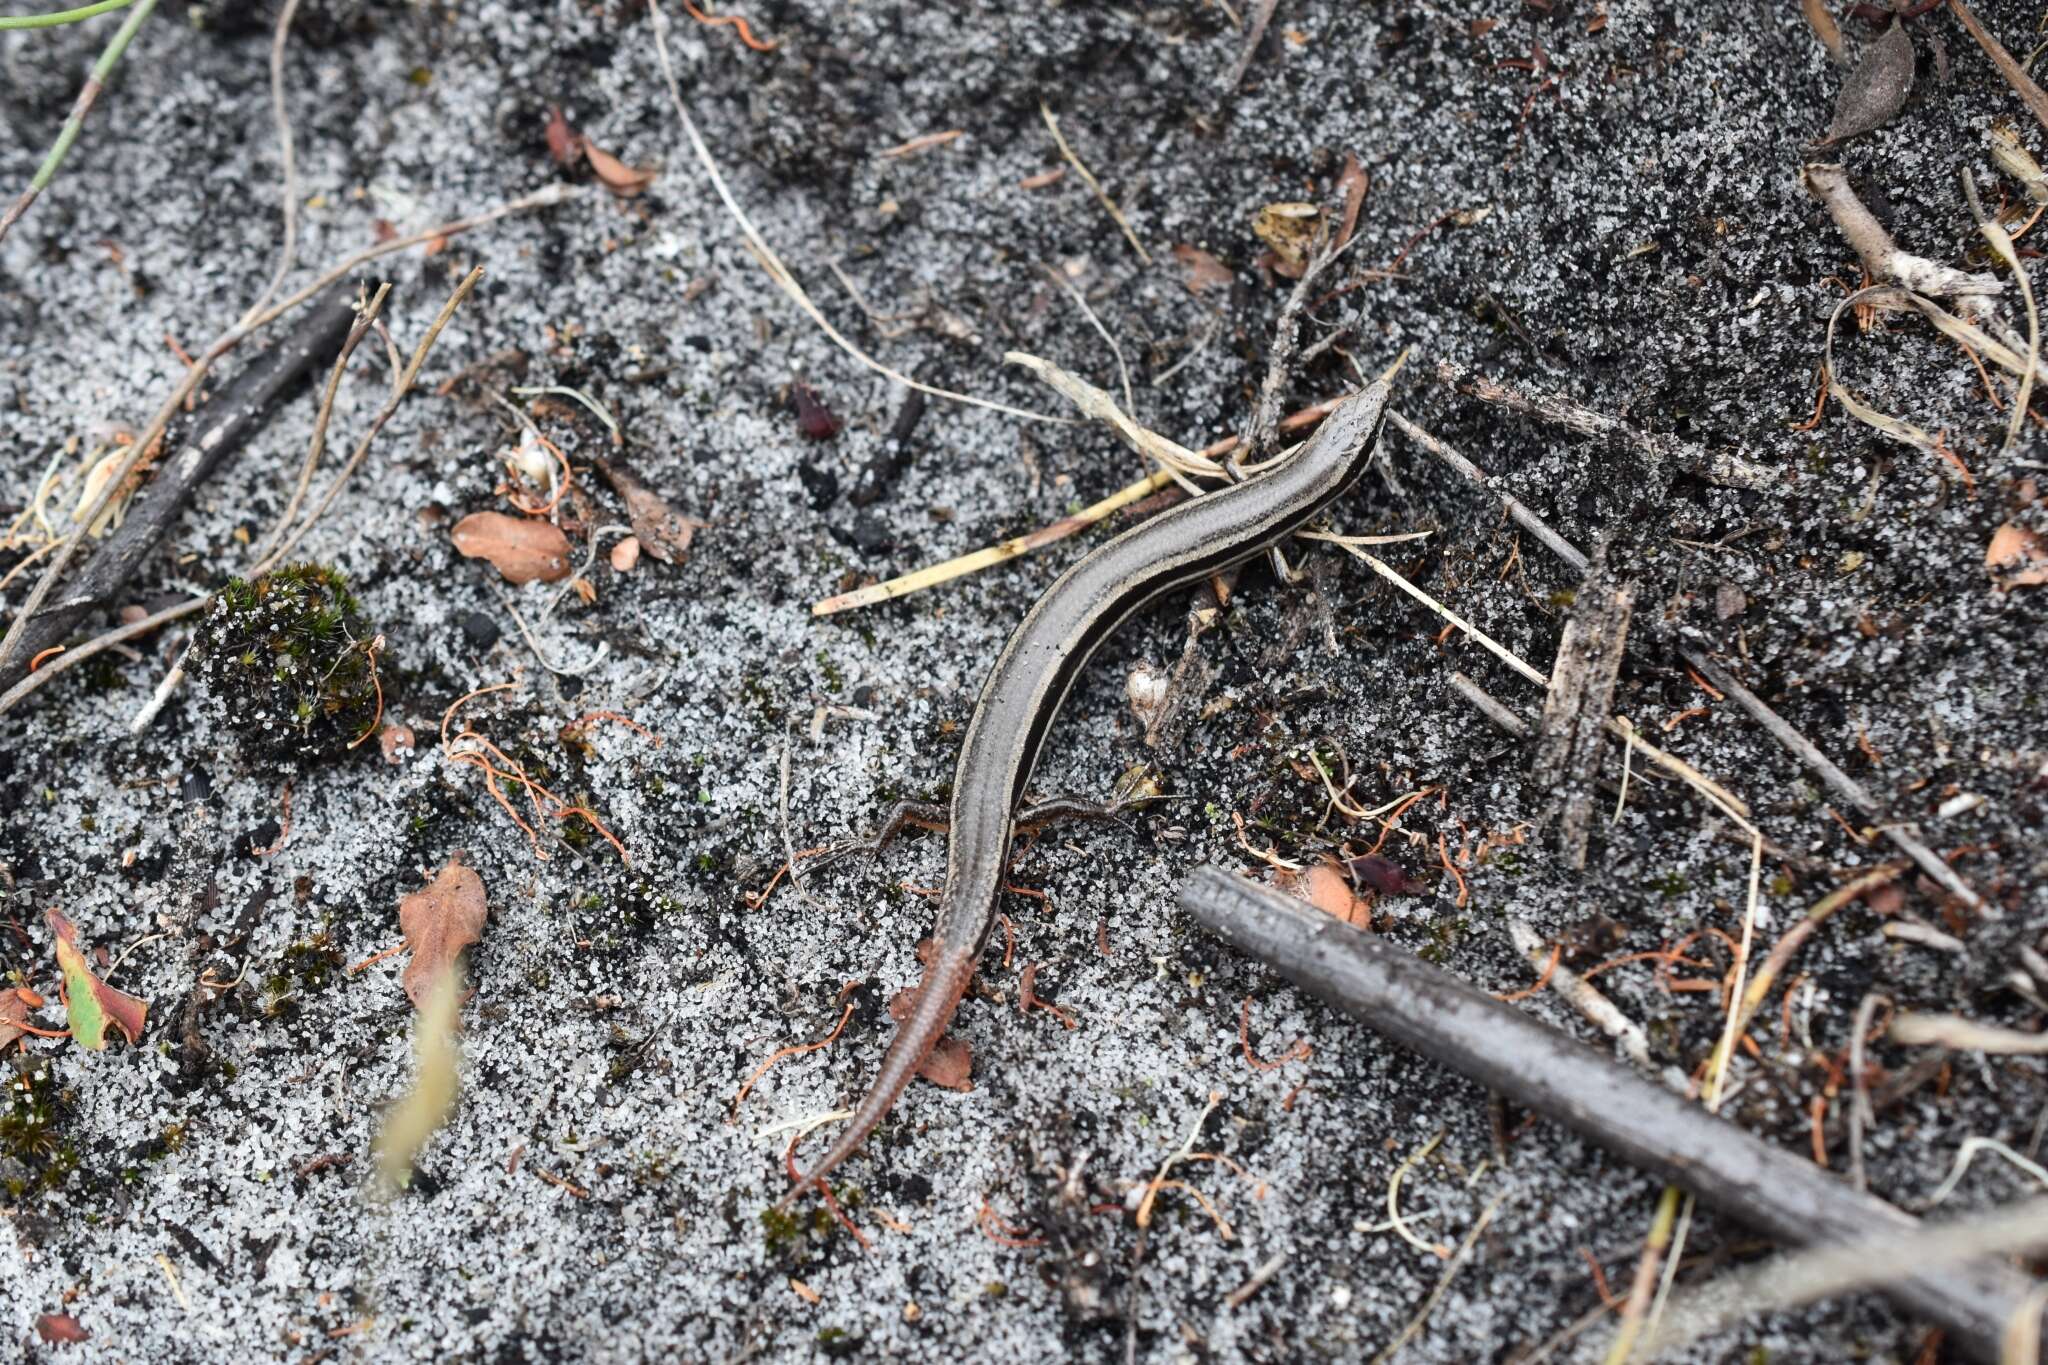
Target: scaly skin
{"type": "Point", "coordinates": [1031, 678]}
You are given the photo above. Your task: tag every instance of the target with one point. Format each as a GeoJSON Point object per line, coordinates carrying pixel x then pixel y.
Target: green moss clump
{"type": "Point", "coordinates": [289, 663]}
{"type": "Point", "coordinates": [34, 1155]}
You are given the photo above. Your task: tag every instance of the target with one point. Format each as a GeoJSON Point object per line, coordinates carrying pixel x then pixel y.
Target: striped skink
{"type": "Point", "coordinates": [1032, 676]}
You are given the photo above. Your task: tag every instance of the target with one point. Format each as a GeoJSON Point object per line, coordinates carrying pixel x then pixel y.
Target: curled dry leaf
{"type": "Point", "coordinates": [2010, 155]}
{"type": "Point", "coordinates": [951, 1063]}
{"type": "Point", "coordinates": [1354, 182]}
{"type": "Point", "coordinates": [2017, 558]}
{"type": "Point", "coordinates": [90, 1002]}
{"type": "Point", "coordinates": [1203, 270]}
{"type": "Point", "coordinates": [1876, 87]}
{"type": "Point", "coordinates": [1289, 229]}
{"type": "Point", "coordinates": [438, 922]}
{"type": "Point", "coordinates": [623, 180]}
{"type": "Point", "coordinates": [1384, 875]}
{"type": "Point", "coordinates": [813, 418]}
{"type": "Point", "coordinates": [13, 1018]}
{"type": "Point", "coordinates": [661, 530]}
{"type": "Point", "coordinates": [520, 548]}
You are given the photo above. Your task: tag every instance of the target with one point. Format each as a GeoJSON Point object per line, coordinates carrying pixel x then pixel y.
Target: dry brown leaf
{"type": "Point", "coordinates": [1824, 27]}
{"type": "Point", "coordinates": [1354, 182]}
{"type": "Point", "coordinates": [521, 548]}
{"type": "Point", "coordinates": [662, 531]}
{"type": "Point", "coordinates": [1203, 270]}
{"type": "Point", "coordinates": [565, 144]}
{"type": "Point", "coordinates": [2017, 558]}
{"type": "Point", "coordinates": [1876, 88]}
{"type": "Point", "coordinates": [951, 1061]}
{"type": "Point", "coordinates": [13, 1015]}
{"type": "Point", "coordinates": [438, 922]}
{"type": "Point", "coordinates": [623, 180]}
{"type": "Point", "coordinates": [1289, 229]}
{"type": "Point", "coordinates": [950, 1064]}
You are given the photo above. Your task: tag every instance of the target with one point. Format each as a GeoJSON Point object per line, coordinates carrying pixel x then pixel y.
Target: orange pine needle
{"type": "Point", "coordinates": [1299, 1051]}
{"type": "Point", "coordinates": [1549, 967]}
{"type": "Point", "coordinates": [738, 24]}
{"type": "Point", "coordinates": [780, 1053]}
{"type": "Point", "coordinates": [1443, 855]}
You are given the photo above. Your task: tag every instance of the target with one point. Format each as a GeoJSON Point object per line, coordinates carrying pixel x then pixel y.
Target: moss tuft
{"type": "Point", "coordinates": [287, 662]}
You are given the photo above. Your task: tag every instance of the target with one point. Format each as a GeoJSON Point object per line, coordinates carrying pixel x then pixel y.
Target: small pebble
{"type": "Point", "coordinates": [626, 554]}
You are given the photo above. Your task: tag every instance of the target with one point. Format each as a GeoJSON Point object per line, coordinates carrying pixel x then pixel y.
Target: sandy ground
{"type": "Point", "coordinates": [1623, 225]}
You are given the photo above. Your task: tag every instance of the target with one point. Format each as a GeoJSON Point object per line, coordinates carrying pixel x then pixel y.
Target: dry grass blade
{"type": "Point", "coordinates": [415, 1119]}
{"type": "Point", "coordinates": [2002, 244]}
{"type": "Point", "coordinates": [1116, 214]}
{"type": "Point", "coordinates": [975, 561]}
{"type": "Point", "coordinates": [1958, 1034]}
{"type": "Point", "coordinates": [934, 574]}
{"type": "Point", "coordinates": [1173, 457]}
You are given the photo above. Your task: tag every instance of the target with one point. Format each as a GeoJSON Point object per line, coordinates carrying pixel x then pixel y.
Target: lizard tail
{"type": "Point", "coordinates": [938, 995]}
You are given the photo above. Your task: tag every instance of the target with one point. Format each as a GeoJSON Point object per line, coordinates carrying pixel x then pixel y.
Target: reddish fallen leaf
{"type": "Point", "coordinates": [623, 180]}
{"type": "Point", "coordinates": [813, 418]}
{"type": "Point", "coordinates": [2016, 557]}
{"type": "Point", "coordinates": [661, 530]}
{"type": "Point", "coordinates": [951, 1062]}
{"type": "Point", "coordinates": [1354, 182]}
{"type": "Point", "coordinates": [1886, 900]}
{"type": "Point", "coordinates": [13, 1015]}
{"type": "Point", "coordinates": [91, 1003]}
{"type": "Point", "coordinates": [1325, 886]}
{"type": "Point", "coordinates": [438, 922]}
{"type": "Point", "coordinates": [396, 742]}
{"type": "Point", "coordinates": [565, 144]}
{"type": "Point", "coordinates": [59, 1328]}
{"type": "Point", "coordinates": [1203, 270]}
{"type": "Point", "coordinates": [521, 548]}
{"type": "Point", "coordinates": [1383, 875]}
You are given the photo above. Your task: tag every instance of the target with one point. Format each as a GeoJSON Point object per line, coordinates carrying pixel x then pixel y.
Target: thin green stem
{"type": "Point", "coordinates": [101, 70]}
{"type": "Point", "coordinates": [69, 16]}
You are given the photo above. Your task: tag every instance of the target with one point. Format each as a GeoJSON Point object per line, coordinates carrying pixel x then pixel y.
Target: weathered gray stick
{"type": "Point", "coordinates": [1433, 1013]}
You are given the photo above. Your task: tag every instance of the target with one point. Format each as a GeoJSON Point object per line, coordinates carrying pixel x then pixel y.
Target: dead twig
{"type": "Point", "coordinates": [1261, 17]}
{"type": "Point", "coordinates": [1851, 790]}
{"type": "Point", "coordinates": [1435, 1014]}
{"type": "Point", "coordinates": [1579, 703]}
{"type": "Point", "coordinates": [1717, 467]}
